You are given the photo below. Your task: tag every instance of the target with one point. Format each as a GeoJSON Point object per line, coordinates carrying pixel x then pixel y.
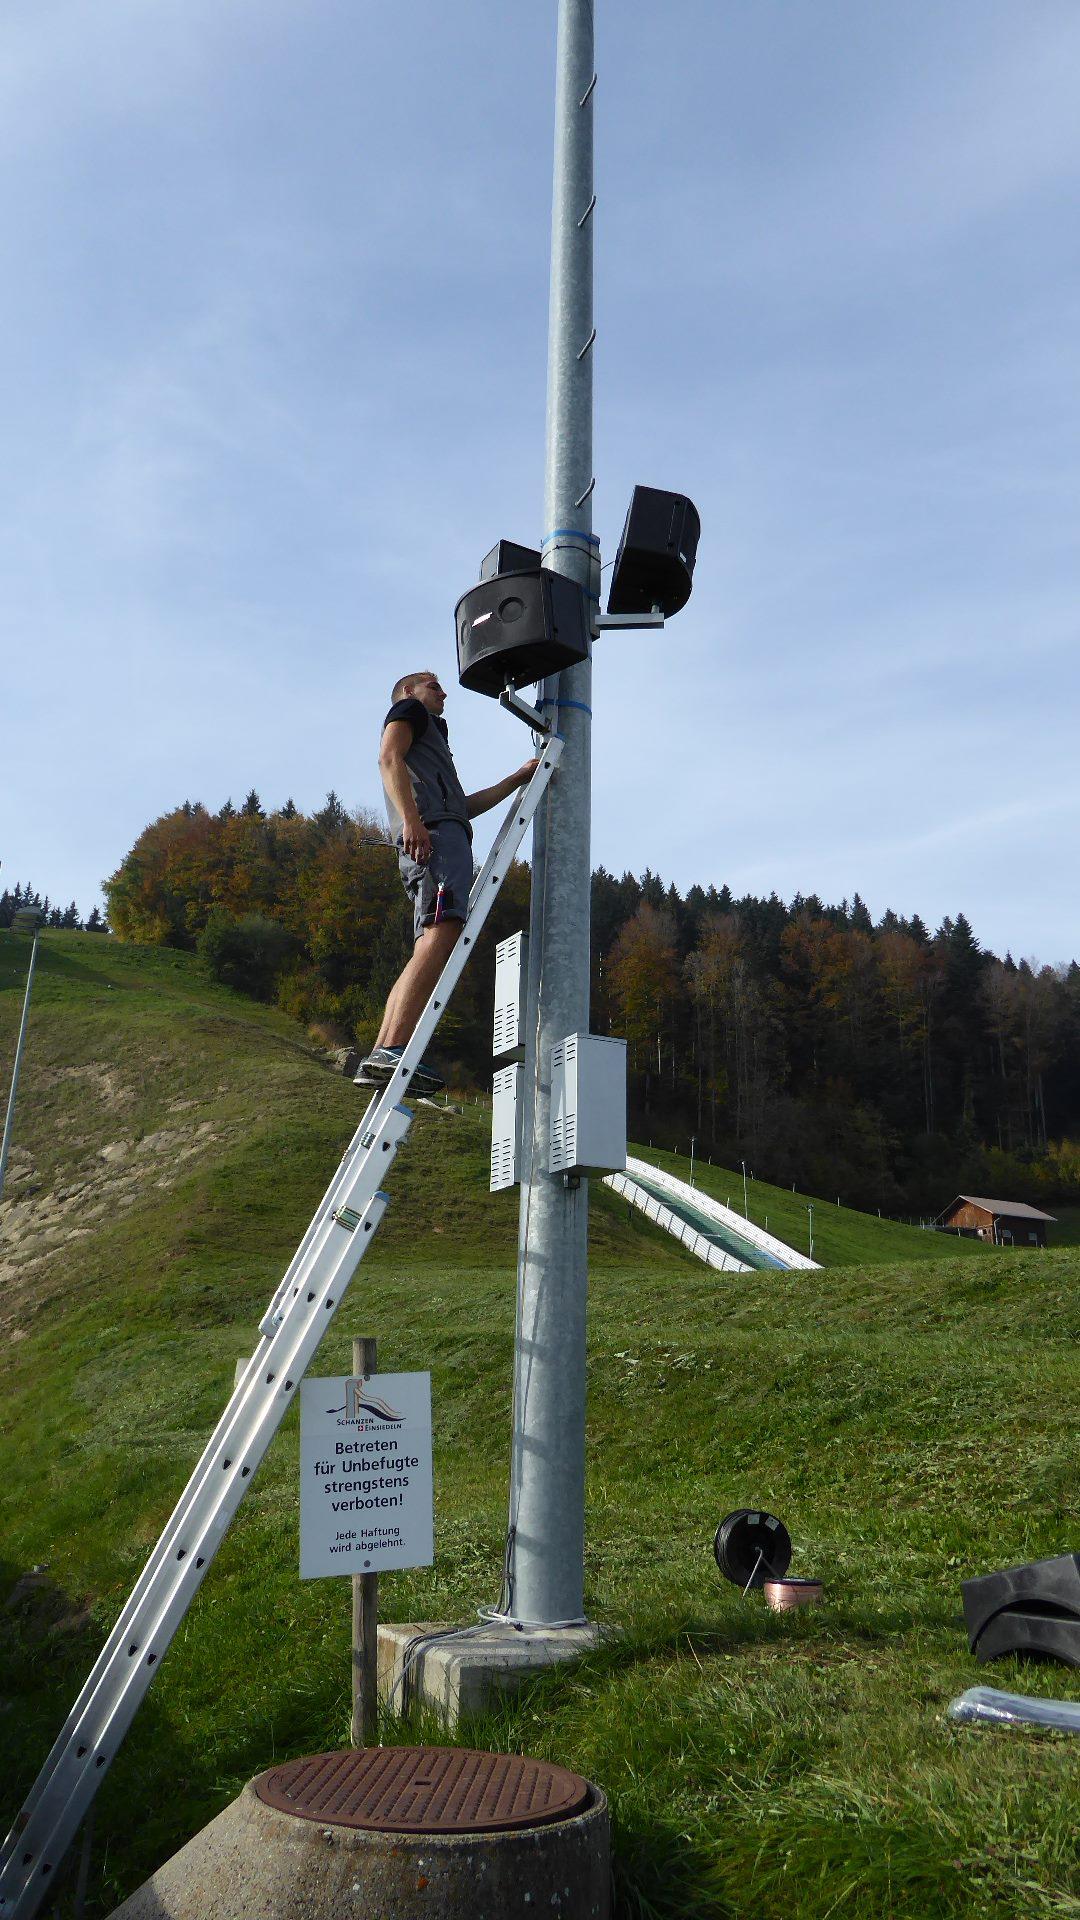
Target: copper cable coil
{"type": "Point", "coordinates": [782, 1595]}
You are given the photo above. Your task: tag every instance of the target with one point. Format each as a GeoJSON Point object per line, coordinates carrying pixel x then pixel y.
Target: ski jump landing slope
{"type": "Point", "coordinates": [719, 1236]}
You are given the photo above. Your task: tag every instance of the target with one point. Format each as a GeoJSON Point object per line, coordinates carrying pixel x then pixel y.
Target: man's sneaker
{"type": "Point", "coordinates": [426, 1081]}
{"type": "Point", "coordinates": [380, 1067]}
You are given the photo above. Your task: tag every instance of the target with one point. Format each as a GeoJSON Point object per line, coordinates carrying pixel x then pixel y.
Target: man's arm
{"type": "Point", "coordinates": [396, 741]}
{"type": "Point", "coordinates": [489, 797]}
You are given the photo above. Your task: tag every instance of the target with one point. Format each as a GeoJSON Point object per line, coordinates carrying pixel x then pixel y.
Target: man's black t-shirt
{"type": "Point", "coordinates": [417, 715]}
{"type": "Point", "coordinates": [436, 788]}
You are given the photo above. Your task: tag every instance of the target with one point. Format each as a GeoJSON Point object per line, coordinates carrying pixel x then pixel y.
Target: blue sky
{"type": "Point", "coordinates": [273, 355]}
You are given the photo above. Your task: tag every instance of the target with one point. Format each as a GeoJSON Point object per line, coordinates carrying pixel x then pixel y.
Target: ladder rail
{"type": "Point", "coordinates": [227, 1436]}
{"type": "Point", "coordinates": [94, 1742]}
{"type": "Point", "coordinates": [108, 1701]}
{"type": "Point", "coordinates": [129, 1615]}
{"type": "Point", "coordinates": [507, 841]}
{"type": "Point", "coordinates": [325, 1206]}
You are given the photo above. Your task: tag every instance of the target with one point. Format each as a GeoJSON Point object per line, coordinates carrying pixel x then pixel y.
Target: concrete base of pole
{"type": "Point", "coordinates": [456, 1677]}
{"type": "Point", "coordinates": [256, 1863]}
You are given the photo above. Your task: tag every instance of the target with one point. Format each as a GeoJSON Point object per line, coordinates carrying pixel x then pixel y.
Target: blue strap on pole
{"type": "Point", "coordinates": [579, 704]}
{"type": "Point", "coordinates": [570, 533]}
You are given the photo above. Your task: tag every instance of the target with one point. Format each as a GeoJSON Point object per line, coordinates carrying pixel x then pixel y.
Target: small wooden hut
{"type": "Point", "coordinates": [1005, 1223]}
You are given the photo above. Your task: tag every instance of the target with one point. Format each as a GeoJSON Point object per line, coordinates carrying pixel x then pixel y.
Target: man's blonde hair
{"type": "Point", "coordinates": [407, 680]}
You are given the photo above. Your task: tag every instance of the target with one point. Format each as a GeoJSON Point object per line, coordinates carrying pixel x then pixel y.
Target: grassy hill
{"type": "Point", "coordinates": [911, 1422]}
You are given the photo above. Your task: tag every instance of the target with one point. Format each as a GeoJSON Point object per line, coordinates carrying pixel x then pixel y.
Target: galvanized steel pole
{"type": "Point", "coordinates": [547, 1485]}
{"type": "Point", "coordinates": [10, 1115]}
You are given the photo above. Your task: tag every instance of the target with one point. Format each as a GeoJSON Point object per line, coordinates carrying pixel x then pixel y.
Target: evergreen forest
{"type": "Point", "coordinates": [68, 918]}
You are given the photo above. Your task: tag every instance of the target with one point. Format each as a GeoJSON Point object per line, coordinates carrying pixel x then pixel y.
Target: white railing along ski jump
{"type": "Point", "coordinates": [654, 1209]}
{"type": "Point", "coordinates": [726, 1217]}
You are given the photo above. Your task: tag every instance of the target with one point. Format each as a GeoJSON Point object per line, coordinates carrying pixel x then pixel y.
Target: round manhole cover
{"type": "Point", "coordinates": [424, 1790]}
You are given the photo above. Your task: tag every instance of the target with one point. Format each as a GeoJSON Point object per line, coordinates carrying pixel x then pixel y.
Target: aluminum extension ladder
{"type": "Point", "coordinates": [298, 1315]}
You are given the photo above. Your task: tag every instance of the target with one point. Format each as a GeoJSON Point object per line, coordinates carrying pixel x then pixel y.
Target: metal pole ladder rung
{"type": "Point", "coordinates": [299, 1314]}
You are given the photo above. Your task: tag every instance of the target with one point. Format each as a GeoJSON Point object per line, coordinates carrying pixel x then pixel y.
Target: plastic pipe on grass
{"type": "Point", "coordinates": [988, 1704]}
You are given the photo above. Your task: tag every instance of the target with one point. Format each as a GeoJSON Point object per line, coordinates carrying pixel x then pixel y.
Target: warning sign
{"type": "Point", "coordinates": [365, 1474]}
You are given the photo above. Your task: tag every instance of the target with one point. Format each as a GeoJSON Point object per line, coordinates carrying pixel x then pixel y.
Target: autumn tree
{"type": "Point", "coordinates": [643, 977]}
{"type": "Point", "coordinates": [739, 1029]}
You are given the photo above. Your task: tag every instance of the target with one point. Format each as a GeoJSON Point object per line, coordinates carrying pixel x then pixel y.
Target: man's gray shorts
{"type": "Point", "coordinates": [451, 863]}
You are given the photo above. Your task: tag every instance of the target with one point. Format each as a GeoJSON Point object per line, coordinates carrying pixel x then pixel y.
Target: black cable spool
{"type": "Point", "coordinates": [751, 1547]}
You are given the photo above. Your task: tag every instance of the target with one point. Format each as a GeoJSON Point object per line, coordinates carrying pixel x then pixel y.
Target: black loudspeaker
{"type": "Point", "coordinates": [517, 627]}
{"type": "Point", "coordinates": [508, 558]}
{"type": "Point", "coordinates": [1029, 1609]}
{"type": "Point", "coordinates": [654, 566]}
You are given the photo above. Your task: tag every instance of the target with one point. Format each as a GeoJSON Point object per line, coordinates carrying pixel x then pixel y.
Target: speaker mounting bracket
{"type": "Point", "coordinates": [606, 622]}
{"type": "Point", "coordinates": [513, 702]}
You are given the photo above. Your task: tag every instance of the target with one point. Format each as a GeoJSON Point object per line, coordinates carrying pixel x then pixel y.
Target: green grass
{"type": "Point", "coordinates": [911, 1422]}
{"type": "Point", "coordinates": [842, 1235]}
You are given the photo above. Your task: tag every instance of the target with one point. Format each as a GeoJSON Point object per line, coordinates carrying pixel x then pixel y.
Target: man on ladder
{"type": "Point", "coordinates": [430, 816]}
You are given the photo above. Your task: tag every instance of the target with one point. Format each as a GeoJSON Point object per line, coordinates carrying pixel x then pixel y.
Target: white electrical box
{"type": "Point", "coordinates": [511, 977]}
{"type": "Point", "coordinates": [506, 1111]}
{"type": "Point", "coordinates": [588, 1105]}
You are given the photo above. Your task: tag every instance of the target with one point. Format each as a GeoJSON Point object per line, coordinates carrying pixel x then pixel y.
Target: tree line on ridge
{"type": "Point", "coordinates": [882, 1062]}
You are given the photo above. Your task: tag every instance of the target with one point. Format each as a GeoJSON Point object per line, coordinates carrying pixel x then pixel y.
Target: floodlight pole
{"type": "Point", "coordinates": [545, 1560]}
{"type": "Point", "coordinates": [10, 1114]}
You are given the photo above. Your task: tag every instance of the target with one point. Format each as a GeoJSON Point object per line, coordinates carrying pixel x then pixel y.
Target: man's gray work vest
{"type": "Point", "coordinates": [436, 788]}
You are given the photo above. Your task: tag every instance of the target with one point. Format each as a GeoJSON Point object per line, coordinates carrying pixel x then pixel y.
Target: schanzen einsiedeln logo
{"type": "Point", "coordinates": [365, 1409]}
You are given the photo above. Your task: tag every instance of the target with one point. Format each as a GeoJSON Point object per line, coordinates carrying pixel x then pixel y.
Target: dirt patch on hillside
{"type": "Point", "coordinates": [41, 1217]}
{"type": "Point", "coordinates": [101, 1080]}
